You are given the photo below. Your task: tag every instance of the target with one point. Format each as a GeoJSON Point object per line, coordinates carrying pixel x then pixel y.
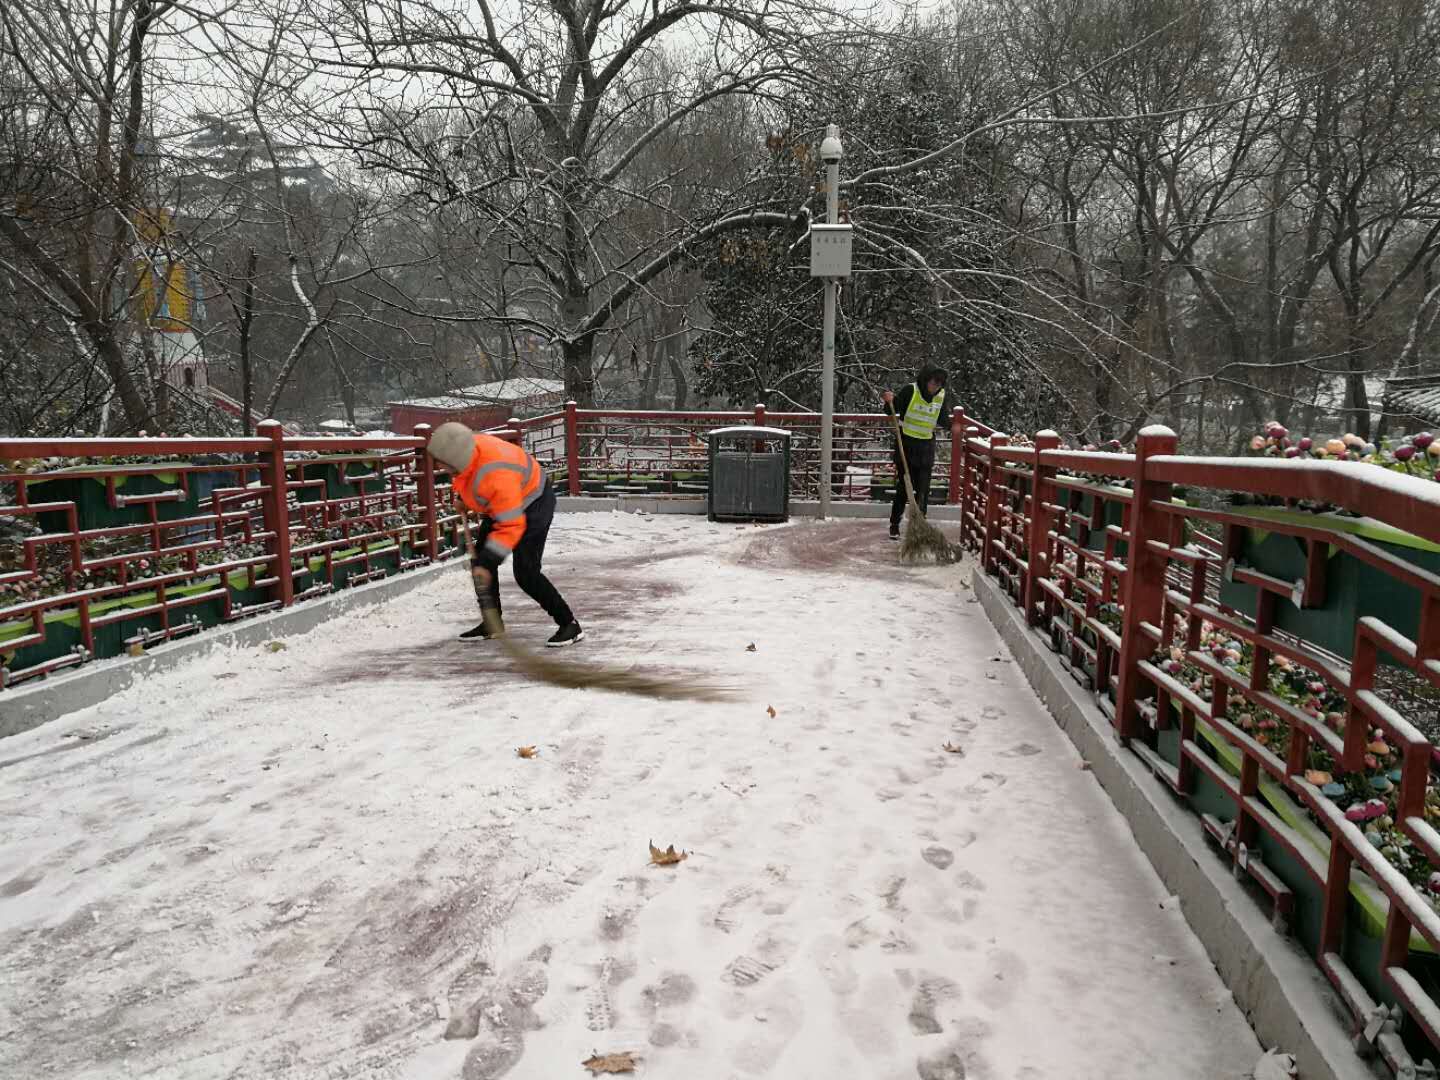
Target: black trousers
{"type": "Point", "coordinates": [920, 453]}
{"type": "Point", "coordinates": [527, 558]}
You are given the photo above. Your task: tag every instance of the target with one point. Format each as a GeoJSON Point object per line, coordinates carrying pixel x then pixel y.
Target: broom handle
{"type": "Point", "coordinates": [904, 461]}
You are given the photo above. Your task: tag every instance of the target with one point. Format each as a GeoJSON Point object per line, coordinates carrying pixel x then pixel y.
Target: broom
{"type": "Point", "coordinates": [922, 540]}
{"type": "Point", "coordinates": [582, 676]}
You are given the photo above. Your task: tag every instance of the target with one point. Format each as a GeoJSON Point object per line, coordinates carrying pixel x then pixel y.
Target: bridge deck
{"type": "Point", "coordinates": [320, 860]}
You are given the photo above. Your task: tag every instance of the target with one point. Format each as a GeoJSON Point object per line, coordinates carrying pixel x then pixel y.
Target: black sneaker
{"type": "Point", "coordinates": [476, 633]}
{"type": "Point", "coordinates": [894, 531]}
{"type": "Point", "coordinates": [566, 635]}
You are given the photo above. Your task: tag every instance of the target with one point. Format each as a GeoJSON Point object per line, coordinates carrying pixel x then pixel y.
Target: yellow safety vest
{"type": "Point", "coordinates": [920, 417]}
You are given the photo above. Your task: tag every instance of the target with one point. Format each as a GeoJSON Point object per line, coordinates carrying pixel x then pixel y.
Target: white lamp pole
{"type": "Point", "coordinates": [830, 153]}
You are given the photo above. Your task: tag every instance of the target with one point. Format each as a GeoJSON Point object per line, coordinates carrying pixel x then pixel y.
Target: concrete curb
{"type": "Point", "coordinates": [654, 504]}
{"type": "Point", "coordinates": [26, 707]}
{"type": "Point", "coordinates": [1284, 995]}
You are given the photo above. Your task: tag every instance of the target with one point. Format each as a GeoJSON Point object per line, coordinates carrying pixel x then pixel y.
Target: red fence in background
{"type": "Point", "coordinates": [1276, 668]}
{"type": "Point", "coordinates": [608, 452]}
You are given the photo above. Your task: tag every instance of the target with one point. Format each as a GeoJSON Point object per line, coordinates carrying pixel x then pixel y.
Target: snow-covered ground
{"type": "Point", "coordinates": [328, 861]}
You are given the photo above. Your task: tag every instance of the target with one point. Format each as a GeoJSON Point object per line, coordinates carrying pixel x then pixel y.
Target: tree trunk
{"type": "Point", "coordinates": [675, 354]}
{"type": "Point", "coordinates": [1357, 397]}
{"type": "Point", "coordinates": [579, 357]}
{"type": "Point", "coordinates": [247, 371]}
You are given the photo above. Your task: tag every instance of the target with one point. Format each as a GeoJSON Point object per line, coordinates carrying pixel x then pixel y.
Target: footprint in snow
{"type": "Point", "coordinates": [939, 857]}
{"type": "Point", "coordinates": [768, 953]}
{"type": "Point", "coordinates": [933, 990]}
{"type": "Point", "coordinates": [830, 956]}
{"type": "Point", "coordinates": [665, 1004]}
{"type": "Point", "coordinates": [1021, 750]}
{"type": "Point", "coordinates": [726, 917]}
{"type": "Point", "coordinates": [988, 783]}
{"type": "Point", "coordinates": [500, 1019]}
{"type": "Point", "coordinates": [778, 1016]}
{"type": "Point", "coordinates": [600, 1000]}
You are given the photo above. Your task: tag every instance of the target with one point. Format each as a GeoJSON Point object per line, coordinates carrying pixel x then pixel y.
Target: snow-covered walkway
{"type": "Point", "coordinates": [327, 860]}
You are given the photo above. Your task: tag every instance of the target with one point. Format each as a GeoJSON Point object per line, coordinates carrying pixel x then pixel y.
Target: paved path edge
{"type": "Point", "coordinates": [1284, 996]}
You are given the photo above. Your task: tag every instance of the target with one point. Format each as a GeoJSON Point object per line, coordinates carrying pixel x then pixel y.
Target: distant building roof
{"type": "Point", "coordinates": [1418, 397]}
{"type": "Point", "coordinates": [517, 389]}
{"type": "Point", "coordinates": [505, 392]}
{"type": "Point", "coordinates": [442, 401]}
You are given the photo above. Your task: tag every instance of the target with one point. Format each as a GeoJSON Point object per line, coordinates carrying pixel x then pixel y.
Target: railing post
{"type": "Point", "coordinates": [992, 501]}
{"type": "Point", "coordinates": [957, 458]}
{"type": "Point", "coordinates": [425, 481]}
{"type": "Point", "coordinates": [572, 447]}
{"type": "Point", "coordinates": [1144, 590]}
{"type": "Point", "coordinates": [1038, 538]}
{"type": "Point", "coordinates": [277, 508]}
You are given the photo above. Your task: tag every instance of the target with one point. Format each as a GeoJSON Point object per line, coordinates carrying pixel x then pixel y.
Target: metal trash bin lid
{"type": "Point", "coordinates": [748, 432]}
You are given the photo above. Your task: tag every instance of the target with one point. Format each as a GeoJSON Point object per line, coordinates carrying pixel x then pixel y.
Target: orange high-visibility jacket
{"type": "Point", "coordinates": [499, 483]}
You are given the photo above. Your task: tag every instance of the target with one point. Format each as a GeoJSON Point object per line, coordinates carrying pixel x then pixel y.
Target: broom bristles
{"type": "Point", "coordinates": [924, 541]}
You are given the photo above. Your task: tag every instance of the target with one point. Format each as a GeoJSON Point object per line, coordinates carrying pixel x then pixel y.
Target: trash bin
{"type": "Point", "coordinates": [749, 474]}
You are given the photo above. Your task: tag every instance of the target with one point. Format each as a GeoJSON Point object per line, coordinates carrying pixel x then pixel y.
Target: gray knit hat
{"type": "Point", "coordinates": [454, 444]}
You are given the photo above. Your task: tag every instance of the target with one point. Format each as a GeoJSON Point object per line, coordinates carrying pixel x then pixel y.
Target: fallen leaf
{"type": "Point", "coordinates": [771, 710]}
{"type": "Point", "coordinates": [136, 649]}
{"type": "Point", "coordinates": [668, 857]}
{"type": "Point", "coordinates": [526, 751]}
{"type": "Point", "coordinates": [610, 1063]}
{"type": "Point", "coordinates": [276, 646]}
{"type": "Point", "coordinates": [951, 748]}
{"type": "Point", "coordinates": [750, 647]}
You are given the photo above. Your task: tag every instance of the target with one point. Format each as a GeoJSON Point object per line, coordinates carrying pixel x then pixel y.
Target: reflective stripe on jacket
{"type": "Point", "coordinates": [499, 483]}
{"type": "Point", "coordinates": [919, 419]}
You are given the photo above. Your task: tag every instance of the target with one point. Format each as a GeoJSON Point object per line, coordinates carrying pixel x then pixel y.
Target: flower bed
{"type": "Point", "coordinates": [1354, 588]}
{"type": "Point", "coordinates": [1367, 796]}
{"type": "Point", "coordinates": [1415, 455]}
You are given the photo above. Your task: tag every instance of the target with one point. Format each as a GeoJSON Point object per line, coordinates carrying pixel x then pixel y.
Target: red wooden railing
{"type": "Point", "coordinates": [93, 566]}
{"type": "Point", "coordinates": [1307, 766]}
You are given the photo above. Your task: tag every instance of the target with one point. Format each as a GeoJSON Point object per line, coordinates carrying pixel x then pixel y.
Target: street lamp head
{"type": "Point", "coordinates": [830, 149]}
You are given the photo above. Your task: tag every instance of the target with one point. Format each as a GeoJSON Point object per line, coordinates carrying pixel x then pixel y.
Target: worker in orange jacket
{"type": "Point", "coordinates": [510, 491]}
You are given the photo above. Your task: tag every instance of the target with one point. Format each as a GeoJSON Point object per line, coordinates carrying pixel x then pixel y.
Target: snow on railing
{"type": "Point", "coordinates": [1276, 666]}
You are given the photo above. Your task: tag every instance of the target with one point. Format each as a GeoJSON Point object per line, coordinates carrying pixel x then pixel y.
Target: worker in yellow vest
{"type": "Point", "coordinates": [923, 413]}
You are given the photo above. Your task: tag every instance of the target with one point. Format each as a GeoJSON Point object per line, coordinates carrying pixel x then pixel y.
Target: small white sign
{"type": "Point", "coordinates": [830, 250]}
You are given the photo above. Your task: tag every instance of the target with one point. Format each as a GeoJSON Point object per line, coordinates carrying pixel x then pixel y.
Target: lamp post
{"type": "Point", "coordinates": [830, 153]}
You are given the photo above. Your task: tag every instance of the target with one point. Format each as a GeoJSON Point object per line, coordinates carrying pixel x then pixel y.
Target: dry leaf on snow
{"type": "Point", "coordinates": [668, 857]}
{"type": "Point", "coordinates": [951, 748]}
{"type": "Point", "coordinates": [771, 710]}
{"type": "Point", "coordinates": [750, 647]}
{"type": "Point", "coordinates": [526, 751]}
{"type": "Point", "coordinates": [276, 646]}
{"type": "Point", "coordinates": [610, 1063]}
